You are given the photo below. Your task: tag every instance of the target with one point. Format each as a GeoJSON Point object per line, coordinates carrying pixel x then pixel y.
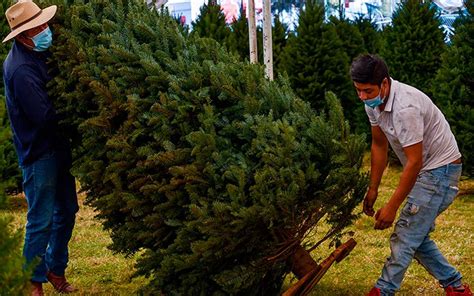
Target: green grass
{"type": "Point", "coordinates": [95, 270]}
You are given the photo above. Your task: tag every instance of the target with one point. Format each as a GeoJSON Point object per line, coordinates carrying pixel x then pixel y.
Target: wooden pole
{"type": "Point", "coordinates": [252, 33]}
{"type": "Point", "coordinates": [267, 39]}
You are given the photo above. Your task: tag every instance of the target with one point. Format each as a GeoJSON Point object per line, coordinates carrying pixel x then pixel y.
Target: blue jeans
{"type": "Point", "coordinates": [50, 191]}
{"type": "Point", "coordinates": [432, 193]}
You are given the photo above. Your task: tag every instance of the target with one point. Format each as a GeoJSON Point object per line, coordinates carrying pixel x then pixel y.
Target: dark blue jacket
{"type": "Point", "coordinates": [32, 116]}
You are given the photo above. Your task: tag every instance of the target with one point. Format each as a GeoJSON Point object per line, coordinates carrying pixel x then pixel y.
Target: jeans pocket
{"type": "Point", "coordinates": [428, 180]}
{"type": "Point", "coordinates": [449, 198]}
{"type": "Point", "coordinates": [422, 193]}
{"type": "Point", "coordinates": [454, 176]}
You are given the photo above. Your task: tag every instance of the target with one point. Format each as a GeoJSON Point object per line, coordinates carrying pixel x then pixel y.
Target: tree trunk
{"type": "Point", "coordinates": [302, 263]}
{"type": "Point", "coordinates": [252, 33]}
{"type": "Point", "coordinates": [267, 39]}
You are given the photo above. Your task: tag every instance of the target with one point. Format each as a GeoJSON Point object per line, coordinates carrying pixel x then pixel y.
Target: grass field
{"type": "Point", "coordinates": [356, 274]}
{"type": "Point", "coordinates": [95, 270]}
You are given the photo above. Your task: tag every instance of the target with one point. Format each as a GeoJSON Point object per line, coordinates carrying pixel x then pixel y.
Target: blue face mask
{"type": "Point", "coordinates": [377, 101]}
{"type": "Point", "coordinates": [43, 40]}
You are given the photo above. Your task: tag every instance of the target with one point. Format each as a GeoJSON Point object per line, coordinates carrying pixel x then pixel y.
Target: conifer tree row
{"type": "Point", "coordinates": [414, 44]}
{"type": "Point", "coordinates": [235, 37]}
{"type": "Point", "coordinates": [372, 38]}
{"type": "Point", "coordinates": [211, 22]}
{"type": "Point", "coordinates": [238, 40]}
{"type": "Point", "coordinates": [353, 44]}
{"type": "Point", "coordinates": [316, 62]}
{"type": "Point", "coordinates": [453, 89]}
{"type": "Point", "coordinates": [192, 156]}
{"type": "Point", "coordinates": [280, 39]}
{"type": "Point", "coordinates": [351, 38]}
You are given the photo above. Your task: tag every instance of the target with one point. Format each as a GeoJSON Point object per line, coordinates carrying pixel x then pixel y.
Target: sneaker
{"type": "Point", "coordinates": [451, 291]}
{"type": "Point", "coordinates": [60, 283]}
{"type": "Point", "coordinates": [374, 292]}
{"type": "Point", "coordinates": [37, 289]}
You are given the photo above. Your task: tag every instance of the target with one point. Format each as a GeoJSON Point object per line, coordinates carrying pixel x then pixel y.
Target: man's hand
{"type": "Point", "coordinates": [369, 201]}
{"type": "Point", "coordinates": [385, 217]}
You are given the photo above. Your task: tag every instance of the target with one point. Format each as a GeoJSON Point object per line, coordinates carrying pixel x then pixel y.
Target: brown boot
{"type": "Point", "coordinates": [60, 283]}
{"type": "Point", "coordinates": [37, 289]}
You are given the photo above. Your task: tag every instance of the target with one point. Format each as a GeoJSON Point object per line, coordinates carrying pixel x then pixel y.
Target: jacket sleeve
{"type": "Point", "coordinates": [31, 94]}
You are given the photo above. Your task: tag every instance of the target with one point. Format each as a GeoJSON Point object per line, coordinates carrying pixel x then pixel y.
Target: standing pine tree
{"type": "Point", "coordinates": [372, 37]}
{"type": "Point", "coordinates": [14, 280]}
{"type": "Point", "coordinates": [454, 86]}
{"type": "Point", "coordinates": [191, 157]}
{"type": "Point", "coordinates": [414, 44]}
{"type": "Point", "coordinates": [211, 23]}
{"type": "Point", "coordinates": [279, 35]}
{"type": "Point", "coordinates": [10, 175]}
{"type": "Point", "coordinates": [316, 62]}
{"type": "Point", "coordinates": [353, 44]}
{"type": "Point", "coordinates": [238, 40]}
{"type": "Point", "coordinates": [352, 40]}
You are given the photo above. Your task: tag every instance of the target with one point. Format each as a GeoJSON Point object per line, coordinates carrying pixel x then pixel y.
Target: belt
{"type": "Point", "coordinates": [457, 161]}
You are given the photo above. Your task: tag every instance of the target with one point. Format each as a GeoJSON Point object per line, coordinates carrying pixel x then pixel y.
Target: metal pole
{"type": "Point", "coordinates": [252, 33]}
{"type": "Point", "coordinates": [267, 39]}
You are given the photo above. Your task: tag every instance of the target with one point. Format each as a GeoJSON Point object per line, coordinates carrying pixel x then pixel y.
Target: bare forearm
{"type": "Point", "coordinates": [386, 215]}
{"type": "Point", "coordinates": [407, 181]}
{"type": "Point", "coordinates": [378, 164]}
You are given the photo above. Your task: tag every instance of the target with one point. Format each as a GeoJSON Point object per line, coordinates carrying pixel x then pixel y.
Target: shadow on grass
{"type": "Point", "coordinates": [466, 196]}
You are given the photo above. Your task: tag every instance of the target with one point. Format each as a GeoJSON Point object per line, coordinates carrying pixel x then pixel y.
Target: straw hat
{"type": "Point", "coordinates": [25, 15]}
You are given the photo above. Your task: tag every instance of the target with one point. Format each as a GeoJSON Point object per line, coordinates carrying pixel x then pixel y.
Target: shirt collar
{"type": "Point", "coordinates": [391, 96]}
{"type": "Point", "coordinates": [44, 55]}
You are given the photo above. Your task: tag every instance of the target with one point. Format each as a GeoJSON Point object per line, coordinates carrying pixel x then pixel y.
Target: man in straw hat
{"type": "Point", "coordinates": [44, 157]}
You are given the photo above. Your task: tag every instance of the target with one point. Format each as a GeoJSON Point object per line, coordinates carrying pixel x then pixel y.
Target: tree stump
{"type": "Point", "coordinates": [309, 272]}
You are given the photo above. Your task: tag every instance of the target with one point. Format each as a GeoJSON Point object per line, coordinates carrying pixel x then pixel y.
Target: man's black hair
{"type": "Point", "coordinates": [369, 68]}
